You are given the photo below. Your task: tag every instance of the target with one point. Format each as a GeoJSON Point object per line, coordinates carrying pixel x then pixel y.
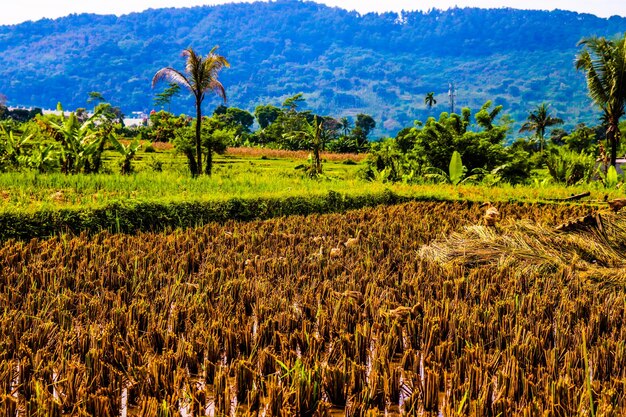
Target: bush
{"type": "Point", "coordinates": [155, 164]}
{"type": "Point", "coordinates": [143, 216]}
{"type": "Point", "coordinates": [570, 167]}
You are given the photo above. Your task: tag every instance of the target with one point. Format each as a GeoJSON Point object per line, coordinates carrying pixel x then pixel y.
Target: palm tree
{"type": "Point", "coordinates": [538, 121]}
{"type": "Point", "coordinates": [345, 125]}
{"type": "Point", "coordinates": [200, 76]}
{"type": "Point", "coordinates": [604, 61]}
{"type": "Point", "coordinates": [430, 100]}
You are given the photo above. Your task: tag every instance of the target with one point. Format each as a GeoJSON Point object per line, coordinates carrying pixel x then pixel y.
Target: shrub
{"type": "Point", "coordinates": [145, 216]}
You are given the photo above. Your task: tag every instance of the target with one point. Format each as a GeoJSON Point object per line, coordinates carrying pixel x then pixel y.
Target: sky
{"type": "Point", "coordinates": [37, 9]}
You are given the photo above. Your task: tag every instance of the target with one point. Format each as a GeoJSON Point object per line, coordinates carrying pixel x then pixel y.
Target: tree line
{"type": "Point", "coordinates": [475, 142]}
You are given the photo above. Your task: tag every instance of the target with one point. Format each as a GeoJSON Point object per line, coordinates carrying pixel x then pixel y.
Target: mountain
{"type": "Point", "coordinates": [344, 62]}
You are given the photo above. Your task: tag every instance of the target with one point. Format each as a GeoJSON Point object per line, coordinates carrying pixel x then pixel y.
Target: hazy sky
{"type": "Point", "coordinates": [36, 9]}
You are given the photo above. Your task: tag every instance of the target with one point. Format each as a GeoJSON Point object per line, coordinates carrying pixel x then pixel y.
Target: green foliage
{"type": "Point", "coordinates": [142, 216]}
{"type": "Point", "coordinates": [80, 144]}
{"type": "Point", "coordinates": [436, 147]}
{"type": "Point", "coordinates": [95, 96]}
{"type": "Point", "coordinates": [430, 100]}
{"type": "Point", "coordinates": [12, 148]}
{"type": "Point", "coordinates": [346, 144]}
{"type": "Point", "coordinates": [55, 142]}
{"type": "Point", "coordinates": [365, 123]}
{"type": "Point", "coordinates": [538, 121]}
{"type": "Point", "coordinates": [386, 162]}
{"type": "Point", "coordinates": [42, 157]}
{"type": "Point", "coordinates": [128, 152]}
{"type": "Point", "coordinates": [456, 169]}
{"type": "Point", "coordinates": [109, 113]}
{"type": "Point", "coordinates": [19, 115]}
{"type": "Point", "coordinates": [312, 134]}
{"type": "Point", "coordinates": [516, 170]}
{"type": "Point", "coordinates": [266, 115]}
{"type": "Point", "coordinates": [604, 62]}
{"type": "Point", "coordinates": [486, 116]}
{"type": "Point", "coordinates": [612, 178]}
{"type": "Point", "coordinates": [306, 384]}
{"type": "Point", "coordinates": [163, 126]}
{"type": "Point", "coordinates": [201, 75]}
{"type": "Point", "coordinates": [582, 139]}
{"type": "Point", "coordinates": [570, 168]}
{"type": "Point", "coordinates": [286, 127]}
{"type": "Point", "coordinates": [166, 96]}
{"type": "Point", "coordinates": [213, 139]}
{"type": "Point", "coordinates": [379, 64]}
{"type": "Point", "coordinates": [235, 119]}
{"type": "Point", "coordinates": [184, 142]}
{"type": "Point", "coordinates": [437, 140]}
{"type": "Point", "coordinates": [456, 172]}
{"type": "Point", "coordinates": [155, 165]}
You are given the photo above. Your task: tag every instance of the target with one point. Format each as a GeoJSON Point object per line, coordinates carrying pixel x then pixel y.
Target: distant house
{"type": "Point", "coordinates": [137, 118]}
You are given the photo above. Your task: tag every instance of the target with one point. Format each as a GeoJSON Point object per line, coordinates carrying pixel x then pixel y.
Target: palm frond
{"type": "Point", "coordinates": [218, 89]}
{"type": "Point", "coordinates": [171, 75]}
{"type": "Point", "coordinates": [528, 127]}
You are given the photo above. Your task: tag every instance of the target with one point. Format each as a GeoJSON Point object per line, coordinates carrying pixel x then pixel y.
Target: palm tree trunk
{"type": "Point", "coordinates": [198, 137]}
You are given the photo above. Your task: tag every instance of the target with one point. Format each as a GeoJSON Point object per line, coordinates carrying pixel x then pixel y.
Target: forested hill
{"type": "Point", "coordinates": [345, 63]}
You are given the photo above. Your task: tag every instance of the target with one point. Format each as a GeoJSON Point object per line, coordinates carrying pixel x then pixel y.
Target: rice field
{"type": "Point", "coordinates": [412, 310]}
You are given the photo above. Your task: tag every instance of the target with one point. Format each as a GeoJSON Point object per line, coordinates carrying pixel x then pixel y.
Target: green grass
{"type": "Point", "coordinates": [236, 177]}
{"type": "Point", "coordinates": [233, 177]}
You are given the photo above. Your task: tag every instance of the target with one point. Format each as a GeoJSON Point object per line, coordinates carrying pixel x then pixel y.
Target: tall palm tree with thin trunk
{"type": "Point", "coordinates": [604, 61]}
{"type": "Point", "coordinates": [345, 125]}
{"type": "Point", "coordinates": [538, 120]}
{"type": "Point", "coordinates": [199, 77]}
{"type": "Point", "coordinates": [430, 100]}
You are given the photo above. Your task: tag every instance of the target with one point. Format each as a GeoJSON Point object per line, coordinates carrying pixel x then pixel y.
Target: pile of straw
{"type": "Point", "coordinates": [594, 250]}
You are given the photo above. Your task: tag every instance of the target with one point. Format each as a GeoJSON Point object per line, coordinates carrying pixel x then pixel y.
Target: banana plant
{"type": "Point", "coordinates": [42, 157]}
{"type": "Point", "coordinates": [456, 172]}
{"type": "Point", "coordinates": [312, 135]}
{"type": "Point", "coordinates": [128, 152]}
{"type": "Point", "coordinates": [12, 147]}
{"type": "Point", "coordinates": [611, 179]}
{"type": "Point", "coordinates": [79, 142]}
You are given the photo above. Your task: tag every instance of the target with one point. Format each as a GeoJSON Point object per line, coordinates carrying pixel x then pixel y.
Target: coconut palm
{"type": "Point", "coordinates": [345, 125]}
{"type": "Point", "coordinates": [538, 120]}
{"type": "Point", "coordinates": [200, 76]}
{"type": "Point", "coordinates": [430, 100]}
{"type": "Point", "coordinates": [604, 61]}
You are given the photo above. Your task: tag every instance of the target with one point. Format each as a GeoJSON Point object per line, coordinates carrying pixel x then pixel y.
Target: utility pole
{"type": "Point", "coordinates": [451, 95]}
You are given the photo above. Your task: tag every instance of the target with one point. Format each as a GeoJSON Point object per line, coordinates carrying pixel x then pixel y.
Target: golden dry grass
{"type": "Point", "coordinates": [285, 154]}
{"type": "Point", "coordinates": [261, 312]}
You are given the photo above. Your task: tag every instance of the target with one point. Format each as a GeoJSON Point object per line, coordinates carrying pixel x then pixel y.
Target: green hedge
{"type": "Point", "coordinates": [142, 216]}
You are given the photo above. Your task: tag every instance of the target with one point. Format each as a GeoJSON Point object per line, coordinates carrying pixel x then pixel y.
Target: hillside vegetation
{"type": "Point", "coordinates": [344, 63]}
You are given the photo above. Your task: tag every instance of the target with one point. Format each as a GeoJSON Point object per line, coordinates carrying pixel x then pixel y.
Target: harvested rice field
{"type": "Point", "coordinates": [416, 309]}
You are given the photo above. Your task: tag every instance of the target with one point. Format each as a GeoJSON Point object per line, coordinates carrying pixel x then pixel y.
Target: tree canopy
{"type": "Point", "coordinates": [377, 64]}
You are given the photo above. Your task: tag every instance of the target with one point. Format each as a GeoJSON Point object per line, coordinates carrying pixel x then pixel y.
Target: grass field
{"type": "Point", "coordinates": [241, 173]}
